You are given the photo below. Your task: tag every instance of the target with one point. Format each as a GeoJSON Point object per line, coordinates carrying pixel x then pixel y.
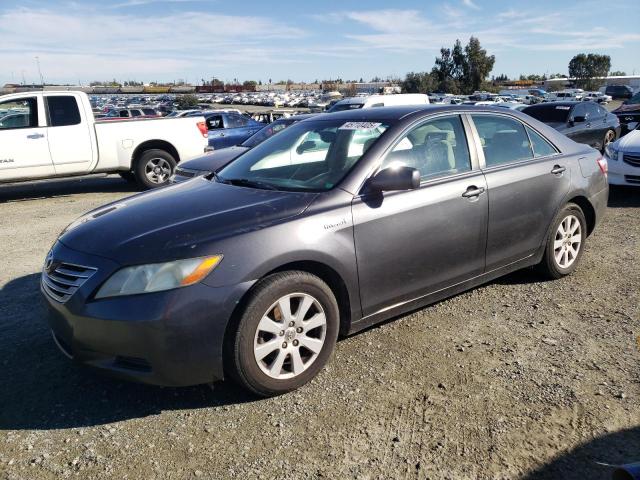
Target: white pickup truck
{"type": "Point", "coordinates": [52, 134]}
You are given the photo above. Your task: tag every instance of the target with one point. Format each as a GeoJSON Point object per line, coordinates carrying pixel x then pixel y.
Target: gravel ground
{"type": "Point", "coordinates": [521, 378]}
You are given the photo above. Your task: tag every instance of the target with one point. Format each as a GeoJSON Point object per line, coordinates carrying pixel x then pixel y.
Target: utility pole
{"type": "Point", "coordinates": [39, 71]}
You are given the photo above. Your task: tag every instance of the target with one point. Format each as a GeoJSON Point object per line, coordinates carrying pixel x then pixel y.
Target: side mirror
{"type": "Point", "coordinates": [395, 178]}
{"type": "Point", "coordinates": [579, 119]}
{"type": "Point", "coordinates": [304, 146]}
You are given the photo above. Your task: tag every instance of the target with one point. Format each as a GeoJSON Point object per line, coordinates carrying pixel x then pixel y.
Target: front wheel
{"type": "Point", "coordinates": [565, 244]}
{"type": "Point", "coordinates": [286, 334]}
{"type": "Point", "coordinates": [154, 168]}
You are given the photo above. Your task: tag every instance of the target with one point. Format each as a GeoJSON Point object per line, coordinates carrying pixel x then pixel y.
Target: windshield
{"type": "Point", "coordinates": [549, 113]}
{"type": "Point", "coordinates": [264, 133]}
{"type": "Point", "coordinates": [634, 100]}
{"type": "Point", "coordinates": [308, 156]}
{"type": "Point", "coordinates": [340, 107]}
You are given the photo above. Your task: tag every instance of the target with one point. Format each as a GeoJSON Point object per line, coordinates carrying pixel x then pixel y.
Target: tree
{"type": "Point", "coordinates": [418, 82]}
{"type": "Point", "coordinates": [585, 68]}
{"type": "Point", "coordinates": [479, 65]}
{"type": "Point", "coordinates": [184, 102]}
{"type": "Point", "coordinates": [618, 73]}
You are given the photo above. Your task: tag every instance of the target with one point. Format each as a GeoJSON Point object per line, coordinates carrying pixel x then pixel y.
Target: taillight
{"type": "Point", "coordinates": [202, 126]}
{"type": "Point", "coordinates": [604, 166]}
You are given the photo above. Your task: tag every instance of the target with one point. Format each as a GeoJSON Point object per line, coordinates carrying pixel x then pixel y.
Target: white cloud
{"type": "Point", "coordinates": [470, 4]}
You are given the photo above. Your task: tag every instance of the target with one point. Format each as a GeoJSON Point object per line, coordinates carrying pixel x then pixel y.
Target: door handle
{"type": "Point", "coordinates": [35, 136]}
{"type": "Point", "coordinates": [473, 191]}
{"type": "Point", "coordinates": [557, 170]}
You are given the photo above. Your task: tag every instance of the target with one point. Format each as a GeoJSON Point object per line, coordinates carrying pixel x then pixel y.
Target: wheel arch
{"type": "Point", "coordinates": [153, 145]}
{"type": "Point", "coordinates": [323, 271]}
{"type": "Point", "coordinates": [588, 210]}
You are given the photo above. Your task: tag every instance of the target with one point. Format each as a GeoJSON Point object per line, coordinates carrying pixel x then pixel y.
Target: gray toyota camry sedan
{"type": "Point", "coordinates": [338, 222]}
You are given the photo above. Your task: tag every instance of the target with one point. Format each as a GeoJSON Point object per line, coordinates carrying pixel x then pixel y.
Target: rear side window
{"type": "Point", "coordinates": [21, 113]}
{"type": "Point", "coordinates": [136, 113]}
{"type": "Point", "coordinates": [504, 140]}
{"type": "Point", "coordinates": [63, 111]}
{"type": "Point", "coordinates": [236, 121]}
{"type": "Point", "coordinates": [541, 148]}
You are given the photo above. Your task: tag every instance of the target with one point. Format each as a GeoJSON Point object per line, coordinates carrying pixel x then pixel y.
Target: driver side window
{"type": "Point", "coordinates": [21, 113]}
{"type": "Point", "coordinates": [435, 148]}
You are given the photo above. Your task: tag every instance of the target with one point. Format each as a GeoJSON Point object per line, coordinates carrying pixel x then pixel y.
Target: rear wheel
{"type": "Point", "coordinates": [154, 168]}
{"type": "Point", "coordinates": [286, 334]}
{"type": "Point", "coordinates": [565, 244]}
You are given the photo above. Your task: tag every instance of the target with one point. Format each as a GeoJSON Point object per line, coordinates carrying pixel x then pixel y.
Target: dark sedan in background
{"type": "Point", "coordinates": [227, 128]}
{"type": "Point", "coordinates": [629, 114]}
{"type": "Point", "coordinates": [582, 122]}
{"type": "Point", "coordinates": [336, 223]}
{"type": "Point", "coordinates": [217, 159]}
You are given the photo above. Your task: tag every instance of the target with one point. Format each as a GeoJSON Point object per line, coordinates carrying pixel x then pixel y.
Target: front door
{"type": "Point", "coordinates": [24, 150]}
{"type": "Point", "coordinates": [416, 242]}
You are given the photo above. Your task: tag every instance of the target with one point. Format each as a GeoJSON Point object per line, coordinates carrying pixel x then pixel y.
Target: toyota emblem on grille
{"type": "Point", "coordinates": [49, 264]}
{"type": "Point", "coordinates": [628, 118]}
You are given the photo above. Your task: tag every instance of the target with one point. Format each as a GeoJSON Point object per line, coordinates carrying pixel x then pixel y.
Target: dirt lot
{"type": "Point", "coordinates": [521, 378]}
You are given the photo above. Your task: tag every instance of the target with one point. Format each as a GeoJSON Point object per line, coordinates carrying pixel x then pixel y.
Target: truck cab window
{"type": "Point", "coordinates": [21, 113]}
{"type": "Point", "coordinates": [63, 111]}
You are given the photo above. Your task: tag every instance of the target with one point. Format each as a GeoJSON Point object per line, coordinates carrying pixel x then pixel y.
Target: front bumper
{"type": "Point", "coordinates": [623, 173]}
{"type": "Point", "coordinates": [171, 338]}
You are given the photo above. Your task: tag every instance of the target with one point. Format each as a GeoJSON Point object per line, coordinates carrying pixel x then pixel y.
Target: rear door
{"type": "Point", "coordinates": [416, 242]}
{"type": "Point", "coordinates": [24, 151]}
{"type": "Point", "coordinates": [527, 179]}
{"type": "Point", "coordinates": [70, 138]}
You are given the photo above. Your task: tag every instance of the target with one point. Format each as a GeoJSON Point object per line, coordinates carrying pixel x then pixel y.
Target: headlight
{"type": "Point", "coordinates": [156, 277]}
{"type": "Point", "coordinates": [611, 152]}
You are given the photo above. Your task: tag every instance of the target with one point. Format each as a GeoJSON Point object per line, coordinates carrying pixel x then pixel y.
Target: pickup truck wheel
{"type": "Point", "coordinates": [154, 168]}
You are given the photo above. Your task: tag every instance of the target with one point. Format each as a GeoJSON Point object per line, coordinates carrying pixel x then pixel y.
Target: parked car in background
{"type": "Point", "coordinates": [254, 272]}
{"type": "Point", "coordinates": [143, 112]}
{"type": "Point", "coordinates": [58, 136]}
{"type": "Point", "coordinates": [598, 97]}
{"type": "Point", "coordinates": [629, 114]}
{"type": "Point", "coordinates": [228, 128]}
{"type": "Point", "coordinates": [511, 105]}
{"type": "Point", "coordinates": [583, 122]}
{"type": "Point", "coordinates": [619, 91]}
{"type": "Point", "coordinates": [217, 159]}
{"type": "Point", "coordinates": [563, 95]}
{"type": "Point", "coordinates": [623, 157]}
{"type": "Point", "coordinates": [355, 103]}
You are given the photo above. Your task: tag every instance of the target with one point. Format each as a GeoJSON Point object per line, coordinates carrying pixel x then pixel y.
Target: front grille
{"type": "Point", "coordinates": [64, 279]}
{"type": "Point", "coordinates": [632, 159]}
{"type": "Point", "coordinates": [632, 178]}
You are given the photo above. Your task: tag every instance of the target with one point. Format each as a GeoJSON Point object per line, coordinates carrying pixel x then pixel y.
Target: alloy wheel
{"type": "Point", "coordinates": [568, 241]}
{"type": "Point", "coordinates": [290, 336]}
{"type": "Point", "coordinates": [158, 170]}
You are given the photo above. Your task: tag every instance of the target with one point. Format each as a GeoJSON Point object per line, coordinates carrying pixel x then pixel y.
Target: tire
{"type": "Point", "coordinates": [128, 176]}
{"type": "Point", "coordinates": [263, 356]}
{"type": "Point", "coordinates": [563, 253]}
{"type": "Point", "coordinates": [154, 168]}
{"type": "Point", "coordinates": [609, 137]}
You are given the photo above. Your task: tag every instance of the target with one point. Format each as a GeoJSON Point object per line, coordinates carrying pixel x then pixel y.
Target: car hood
{"type": "Point", "coordinates": [630, 142]}
{"type": "Point", "coordinates": [628, 108]}
{"type": "Point", "coordinates": [180, 221]}
{"type": "Point", "coordinates": [215, 160]}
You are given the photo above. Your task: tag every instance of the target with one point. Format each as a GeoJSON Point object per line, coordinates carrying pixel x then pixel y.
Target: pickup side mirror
{"type": "Point", "coordinates": [305, 146]}
{"type": "Point", "coordinates": [395, 178]}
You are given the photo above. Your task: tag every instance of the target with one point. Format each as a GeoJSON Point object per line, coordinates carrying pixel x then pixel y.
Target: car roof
{"type": "Point", "coordinates": [554, 104]}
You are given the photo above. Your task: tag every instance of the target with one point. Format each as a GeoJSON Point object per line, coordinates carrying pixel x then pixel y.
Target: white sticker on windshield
{"type": "Point", "coordinates": [562, 107]}
{"type": "Point", "coordinates": [359, 126]}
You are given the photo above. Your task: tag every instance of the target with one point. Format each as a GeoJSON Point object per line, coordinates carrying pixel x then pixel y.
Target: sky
{"type": "Point", "coordinates": [170, 40]}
